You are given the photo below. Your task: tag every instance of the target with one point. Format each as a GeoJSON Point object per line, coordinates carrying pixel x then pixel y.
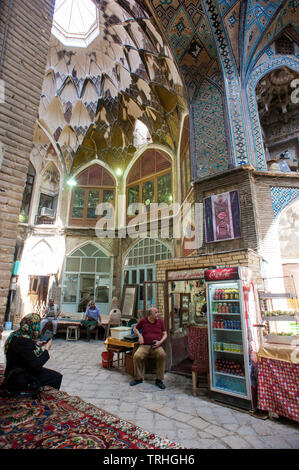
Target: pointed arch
{"type": "Point", "coordinates": [257, 74]}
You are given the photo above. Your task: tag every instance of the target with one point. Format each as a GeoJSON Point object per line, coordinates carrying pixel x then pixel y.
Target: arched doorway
{"type": "Point", "coordinates": [140, 266]}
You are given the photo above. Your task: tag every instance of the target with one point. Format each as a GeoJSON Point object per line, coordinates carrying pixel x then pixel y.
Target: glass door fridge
{"type": "Point", "coordinates": [231, 358]}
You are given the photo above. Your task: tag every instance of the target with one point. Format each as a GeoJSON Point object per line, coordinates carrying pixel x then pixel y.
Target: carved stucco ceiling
{"type": "Point", "coordinates": [136, 67]}
{"type": "Point", "coordinates": [93, 96]}
{"type": "Point", "coordinates": [276, 99]}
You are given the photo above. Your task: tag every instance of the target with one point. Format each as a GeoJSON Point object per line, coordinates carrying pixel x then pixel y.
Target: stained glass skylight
{"type": "Point", "coordinates": [75, 22]}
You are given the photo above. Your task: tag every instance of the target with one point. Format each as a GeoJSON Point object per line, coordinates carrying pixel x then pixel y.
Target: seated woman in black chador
{"type": "Point", "coordinates": [23, 351]}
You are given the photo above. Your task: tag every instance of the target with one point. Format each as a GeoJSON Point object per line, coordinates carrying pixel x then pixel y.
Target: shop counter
{"type": "Point", "coordinates": [119, 347]}
{"type": "Point", "coordinates": [278, 380]}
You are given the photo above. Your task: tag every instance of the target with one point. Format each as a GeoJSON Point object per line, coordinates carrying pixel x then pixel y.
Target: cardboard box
{"type": "Point", "coordinates": [119, 332]}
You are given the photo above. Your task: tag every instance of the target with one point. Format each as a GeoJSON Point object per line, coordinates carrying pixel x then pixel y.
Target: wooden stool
{"type": "Point", "coordinates": [72, 333]}
{"type": "Point", "coordinates": [195, 373]}
{"type": "Point", "coordinates": [119, 351]}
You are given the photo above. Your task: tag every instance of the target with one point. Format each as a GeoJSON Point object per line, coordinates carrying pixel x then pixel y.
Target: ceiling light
{"type": "Point", "coordinates": [72, 182]}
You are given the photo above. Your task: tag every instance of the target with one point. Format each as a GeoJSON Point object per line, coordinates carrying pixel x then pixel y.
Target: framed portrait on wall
{"type": "Point", "coordinates": [129, 301]}
{"type": "Point", "coordinates": [222, 217]}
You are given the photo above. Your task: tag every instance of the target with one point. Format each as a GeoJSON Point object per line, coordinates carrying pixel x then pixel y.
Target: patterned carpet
{"type": "Point", "coordinates": [57, 420]}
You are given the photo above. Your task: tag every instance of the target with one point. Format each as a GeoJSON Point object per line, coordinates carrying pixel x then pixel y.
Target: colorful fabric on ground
{"type": "Point", "coordinates": [56, 420]}
{"type": "Point", "coordinates": [278, 388]}
{"type": "Point", "coordinates": [29, 328]}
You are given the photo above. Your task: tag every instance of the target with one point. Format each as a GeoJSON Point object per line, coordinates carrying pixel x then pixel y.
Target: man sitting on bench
{"type": "Point", "coordinates": [92, 319]}
{"type": "Point", "coordinates": [51, 317]}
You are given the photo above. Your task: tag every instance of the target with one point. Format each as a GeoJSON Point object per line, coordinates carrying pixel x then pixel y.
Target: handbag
{"type": "Point", "coordinates": [20, 383]}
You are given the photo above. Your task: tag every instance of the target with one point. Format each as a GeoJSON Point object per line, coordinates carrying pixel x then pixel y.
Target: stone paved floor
{"type": "Point", "coordinates": [194, 422]}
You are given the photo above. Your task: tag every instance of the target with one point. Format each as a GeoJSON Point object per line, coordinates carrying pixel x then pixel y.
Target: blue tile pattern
{"type": "Point", "coordinates": [282, 197]}
{"type": "Point", "coordinates": [209, 131]}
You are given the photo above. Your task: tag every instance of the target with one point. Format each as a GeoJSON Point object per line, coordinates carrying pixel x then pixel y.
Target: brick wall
{"type": "Point", "coordinates": [24, 58]}
{"type": "Point", "coordinates": [263, 205]}
{"type": "Point", "coordinates": [239, 179]}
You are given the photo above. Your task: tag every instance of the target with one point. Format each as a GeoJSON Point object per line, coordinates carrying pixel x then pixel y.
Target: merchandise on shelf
{"type": "Point", "coordinates": [226, 294]}
{"type": "Point", "coordinates": [229, 367]}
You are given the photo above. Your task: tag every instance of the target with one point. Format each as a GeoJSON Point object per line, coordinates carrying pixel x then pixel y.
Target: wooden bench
{"type": "Point", "coordinates": [68, 319]}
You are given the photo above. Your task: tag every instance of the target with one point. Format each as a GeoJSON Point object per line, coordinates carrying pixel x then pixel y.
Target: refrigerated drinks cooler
{"type": "Point", "coordinates": [233, 338]}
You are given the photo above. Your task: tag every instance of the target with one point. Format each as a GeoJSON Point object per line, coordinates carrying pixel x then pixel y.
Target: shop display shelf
{"type": "Point", "coordinates": [232, 391]}
{"type": "Point", "coordinates": [228, 352]}
{"type": "Point", "coordinates": [226, 329]}
{"type": "Point", "coordinates": [220, 313]}
{"type": "Point", "coordinates": [226, 300]}
{"type": "Point", "coordinates": [278, 318]}
{"type": "Point", "coordinates": [231, 375]}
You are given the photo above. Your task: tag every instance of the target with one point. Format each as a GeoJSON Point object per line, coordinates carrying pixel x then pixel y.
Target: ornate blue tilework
{"type": "Point", "coordinates": [258, 16]}
{"type": "Point", "coordinates": [233, 87]}
{"type": "Point", "coordinates": [282, 197]}
{"type": "Point", "coordinates": [209, 132]}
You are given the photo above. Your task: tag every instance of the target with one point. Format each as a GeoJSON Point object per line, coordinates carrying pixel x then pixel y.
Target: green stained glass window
{"type": "Point", "coordinates": [108, 195]}
{"type": "Point", "coordinates": [164, 189]}
{"type": "Point", "coordinates": [133, 198]}
{"type": "Point", "coordinates": [92, 202]}
{"type": "Point", "coordinates": [148, 192]}
{"type": "Point", "coordinates": [78, 203]}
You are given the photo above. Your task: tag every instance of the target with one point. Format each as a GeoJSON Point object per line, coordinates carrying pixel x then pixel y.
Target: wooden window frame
{"type": "Point", "coordinates": [88, 221]}
{"type": "Point", "coordinates": [140, 182]}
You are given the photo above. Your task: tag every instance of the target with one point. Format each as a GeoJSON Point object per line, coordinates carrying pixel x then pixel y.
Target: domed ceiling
{"type": "Point", "coordinates": [93, 96]}
{"type": "Point", "coordinates": [148, 62]}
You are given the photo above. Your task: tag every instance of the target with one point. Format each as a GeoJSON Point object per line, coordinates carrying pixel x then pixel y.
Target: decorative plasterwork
{"type": "Point", "coordinates": [93, 97]}
{"type": "Point", "coordinates": [255, 77]}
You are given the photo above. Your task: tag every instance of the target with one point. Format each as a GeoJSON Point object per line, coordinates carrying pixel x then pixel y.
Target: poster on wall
{"type": "Point", "coordinates": [222, 217]}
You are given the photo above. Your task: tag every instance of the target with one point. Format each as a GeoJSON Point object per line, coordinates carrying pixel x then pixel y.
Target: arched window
{"type": "Point", "coordinates": [94, 186]}
{"type": "Point", "coordinates": [87, 276]}
{"type": "Point", "coordinates": [149, 181]}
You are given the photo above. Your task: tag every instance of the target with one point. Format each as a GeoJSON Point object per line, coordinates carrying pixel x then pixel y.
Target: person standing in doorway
{"type": "Point", "coordinates": [92, 319]}
{"type": "Point", "coordinates": [151, 334]}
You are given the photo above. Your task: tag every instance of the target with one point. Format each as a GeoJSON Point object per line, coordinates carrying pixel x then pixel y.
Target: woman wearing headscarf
{"type": "Point", "coordinates": [23, 351]}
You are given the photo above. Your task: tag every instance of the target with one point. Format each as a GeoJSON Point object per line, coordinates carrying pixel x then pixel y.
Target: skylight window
{"type": "Point", "coordinates": [75, 22]}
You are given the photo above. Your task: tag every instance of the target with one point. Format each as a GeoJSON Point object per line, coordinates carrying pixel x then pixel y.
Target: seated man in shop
{"type": "Point", "coordinates": [92, 319]}
{"type": "Point", "coordinates": [151, 334]}
{"type": "Point", "coordinates": [51, 317]}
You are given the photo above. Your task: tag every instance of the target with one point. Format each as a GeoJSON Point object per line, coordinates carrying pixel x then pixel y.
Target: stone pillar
{"type": "Point", "coordinates": [25, 28]}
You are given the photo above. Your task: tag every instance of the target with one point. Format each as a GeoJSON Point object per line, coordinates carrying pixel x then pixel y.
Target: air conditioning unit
{"type": "Point", "coordinates": [47, 212]}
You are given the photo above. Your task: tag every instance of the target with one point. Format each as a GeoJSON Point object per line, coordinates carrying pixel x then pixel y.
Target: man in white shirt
{"type": "Point", "coordinates": [51, 315]}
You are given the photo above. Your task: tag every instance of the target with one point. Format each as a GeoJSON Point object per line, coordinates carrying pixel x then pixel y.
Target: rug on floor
{"type": "Point", "coordinates": [56, 420]}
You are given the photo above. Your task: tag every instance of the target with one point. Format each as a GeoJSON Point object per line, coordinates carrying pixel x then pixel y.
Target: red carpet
{"type": "Point", "coordinates": [56, 420]}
